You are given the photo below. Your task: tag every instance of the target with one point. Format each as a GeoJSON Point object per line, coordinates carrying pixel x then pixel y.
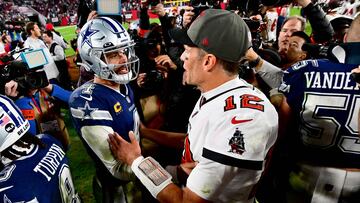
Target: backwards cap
{"type": "Point", "coordinates": [219, 32]}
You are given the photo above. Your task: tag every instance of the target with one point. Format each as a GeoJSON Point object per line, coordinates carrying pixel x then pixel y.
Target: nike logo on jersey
{"type": "Point", "coordinates": [235, 121]}
{"type": "Point", "coordinates": [89, 98]}
{"type": "Point", "coordinates": [5, 188]}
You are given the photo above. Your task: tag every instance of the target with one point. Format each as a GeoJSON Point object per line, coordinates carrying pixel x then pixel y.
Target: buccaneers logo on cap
{"type": "Point", "coordinates": [237, 143]}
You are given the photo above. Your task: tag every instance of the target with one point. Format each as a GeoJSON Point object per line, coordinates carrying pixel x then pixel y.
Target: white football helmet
{"type": "Point", "coordinates": [101, 37]}
{"type": "Point", "coordinates": [12, 123]}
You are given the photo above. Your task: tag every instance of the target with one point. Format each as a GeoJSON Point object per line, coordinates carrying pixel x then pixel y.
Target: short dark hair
{"type": "Point", "coordinates": [302, 35]}
{"type": "Point", "coordinates": [29, 26]}
{"type": "Point", "coordinates": [230, 67]}
{"type": "Point", "coordinates": [49, 34]}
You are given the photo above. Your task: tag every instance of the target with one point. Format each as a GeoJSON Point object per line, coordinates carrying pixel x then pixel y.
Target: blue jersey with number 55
{"type": "Point", "coordinates": [325, 101]}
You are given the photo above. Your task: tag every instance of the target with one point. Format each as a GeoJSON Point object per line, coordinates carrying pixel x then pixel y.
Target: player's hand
{"type": "Point", "coordinates": [165, 61]}
{"type": "Point", "coordinates": [188, 167]}
{"type": "Point", "coordinates": [303, 3]}
{"type": "Point", "coordinates": [122, 150]}
{"type": "Point", "coordinates": [159, 10]}
{"type": "Point", "coordinates": [184, 170]}
{"type": "Point", "coordinates": [92, 15]}
{"type": "Point", "coordinates": [188, 16]}
{"type": "Point", "coordinates": [140, 80]}
{"type": "Point", "coordinates": [356, 70]}
{"type": "Point", "coordinates": [48, 88]}
{"type": "Point", "coordinates": [11, 89]}
{"type": "Point", "coordinates": [251, 55]}
{"type": "Point", "coordinates": [355, 73]}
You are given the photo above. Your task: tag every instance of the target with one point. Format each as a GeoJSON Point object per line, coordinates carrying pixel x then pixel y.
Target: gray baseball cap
{"type": "Point", "coordinates": [219, 32]}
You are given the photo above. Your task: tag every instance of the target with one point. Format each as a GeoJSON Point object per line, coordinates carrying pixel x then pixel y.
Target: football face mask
{"type": "Point", "coordinates": [122, 65]}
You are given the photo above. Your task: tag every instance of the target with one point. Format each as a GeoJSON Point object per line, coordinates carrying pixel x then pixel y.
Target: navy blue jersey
{"type": "Point", "coordinates": [325, 102]}
{"type": "Point", "coordinates": [41, 176]}
{"type": "Point", "coordinates": [98, 110]}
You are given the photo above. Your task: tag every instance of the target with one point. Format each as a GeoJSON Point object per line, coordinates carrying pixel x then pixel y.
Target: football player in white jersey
{"type": "Point", "coordinates": [106, 104]}
{"type": "Point", "coordinates": [231, 129]}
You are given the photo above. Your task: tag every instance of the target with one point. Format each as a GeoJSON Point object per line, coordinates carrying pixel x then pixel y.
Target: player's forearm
{"type": "Point", "coordinates": [171, 193]}
{"type": "Point", "coordinates": [169, 139]}
{"type": "Point", "coordinates": [60, 93]}
{"type": "Point", "coordinates": [271, 74]}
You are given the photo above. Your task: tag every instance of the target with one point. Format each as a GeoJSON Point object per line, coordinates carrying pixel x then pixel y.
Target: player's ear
{"type": "Point", "coordinates": [345, 37]}
{"type": "Point", "coordinates": [209, 61]}
{"type": "Point", "coordinates": [303, 55]}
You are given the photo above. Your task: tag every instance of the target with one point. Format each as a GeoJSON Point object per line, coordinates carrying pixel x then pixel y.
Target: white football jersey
{"type": "Point", "coordinates": [229, 135]}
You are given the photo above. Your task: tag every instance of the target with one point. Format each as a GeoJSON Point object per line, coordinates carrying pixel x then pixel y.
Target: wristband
{"type": "Point", "coordinates": [154, 177]}
{"type": "Point", "coordinates": [254, 63]}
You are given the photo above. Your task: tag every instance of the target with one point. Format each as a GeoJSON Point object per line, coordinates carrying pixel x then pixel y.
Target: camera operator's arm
{"type": "Point", "coordinates": [58, 92]}
{"type": "Point", "coordinates": [82, 13]}
{"type": "Point", "coordinates": [92, 15]}
{"type": "Point", "coordinates": [271, 74]}
{"type": "Point", "coordinates": [168, 139]}
{"type": "Point", "coordinates": [144, 19]}
{"type": "Point", "coordinates": [321, 27]}
{"type": "Point", "coordinates": [11, 89]}
{"type": "Point", "coordinates": [188, 16]}
{"type": "Point", "coordinates": [165, 23]}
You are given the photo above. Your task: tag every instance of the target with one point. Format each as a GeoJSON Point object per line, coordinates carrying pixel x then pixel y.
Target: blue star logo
{"type": "Point", "coordinates": [87, 111]}
{"type": "Point", "coordinates": [87, 34]}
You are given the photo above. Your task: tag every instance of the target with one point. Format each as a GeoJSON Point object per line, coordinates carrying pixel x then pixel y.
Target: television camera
{"type": "Point", "coordinates": [27, 72]}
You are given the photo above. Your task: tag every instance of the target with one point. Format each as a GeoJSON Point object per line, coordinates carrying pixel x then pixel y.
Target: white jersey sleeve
{"type": "Point", "coordinates": [93, 135]}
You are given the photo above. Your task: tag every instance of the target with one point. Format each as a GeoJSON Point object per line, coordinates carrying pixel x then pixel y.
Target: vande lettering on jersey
{"type": "Point", "coordinates": [330, 80]}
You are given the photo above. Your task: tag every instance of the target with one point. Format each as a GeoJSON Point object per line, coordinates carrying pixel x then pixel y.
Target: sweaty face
{"type": "Point", "coordinates": [295, 53]}
{"type": "Point", "coordinates": [286, 31]}
{"type": "Point", "coordinates": [119, 58]}
{"type": "Point", "coordinates": [192, 65]}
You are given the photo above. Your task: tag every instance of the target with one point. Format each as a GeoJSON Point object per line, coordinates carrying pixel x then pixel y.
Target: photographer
{"type": "Point", "coordinates": [36, 98]}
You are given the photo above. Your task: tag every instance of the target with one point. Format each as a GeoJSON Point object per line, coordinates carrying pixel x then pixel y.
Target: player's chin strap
{"type": "Point", "coordinates": [87, 68]}
{"type": "Point", "coordinates": [154, 177]}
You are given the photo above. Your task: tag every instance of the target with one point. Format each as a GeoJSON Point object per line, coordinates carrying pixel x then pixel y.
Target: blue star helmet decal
{"type": "Point", "coordinates": [87, 34]}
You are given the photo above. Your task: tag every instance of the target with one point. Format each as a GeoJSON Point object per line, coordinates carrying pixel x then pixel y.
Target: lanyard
{"type": "Point", "coordinates": [42, 102]}
{"type": "Point", "coordinates": [36, 105]}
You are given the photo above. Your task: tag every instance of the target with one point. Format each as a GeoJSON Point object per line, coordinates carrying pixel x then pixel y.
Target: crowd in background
{"type": "Point", "coordinates": [281, 46]}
